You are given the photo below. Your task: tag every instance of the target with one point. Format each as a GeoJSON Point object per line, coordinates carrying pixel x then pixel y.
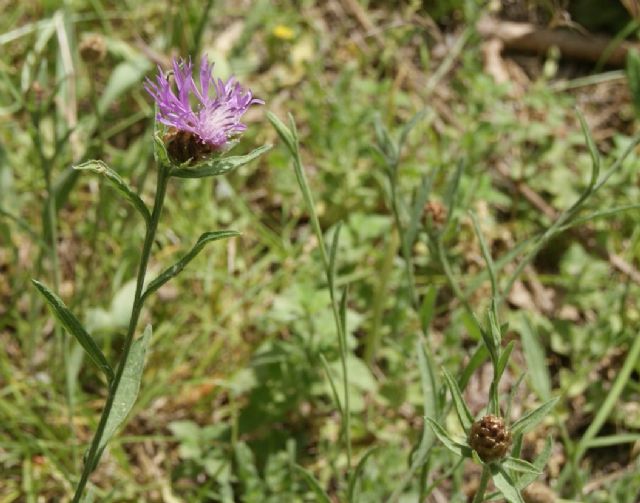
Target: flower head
{"type": "Point", "coordinates": [202, 118]}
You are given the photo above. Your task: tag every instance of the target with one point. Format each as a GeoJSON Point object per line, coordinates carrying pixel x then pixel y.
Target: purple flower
{"type": "Point", "coordinates": [209, 113]}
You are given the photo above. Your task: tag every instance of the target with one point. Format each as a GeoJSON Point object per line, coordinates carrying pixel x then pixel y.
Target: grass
{"type": "Point", "coordinates": [254, 357]}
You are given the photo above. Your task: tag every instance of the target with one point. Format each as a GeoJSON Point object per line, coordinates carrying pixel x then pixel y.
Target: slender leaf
{"type": "Point", "coordinates": [528, 421]}
{"type": "Point", "coordinates": [75, 328]}
{"type": "Point", "coordinates": [284, 132]}
{"type": "Point", "coordinates": [503, 360]}
{"type": "Point", "coordinates": [333, 252]}
{"type": "Point", "coordinates": [118, 183]}
{"type": "Point", "coordinates": [447, 441]}
{"type": "Point", "coordinates": [519, 465]}
{"type": "Point", "coordinates": [478, 357]}
{"type": "Point", "coordinates": [314, 485]}
{"type": "Point", "coordinates": [466, 419]}
{"type": "Point", "coordinates": [428, 308]}
{"type": "Point", "coordinates": [332, 384]}
{"type": "Point", "coordinates": [127, 392]}
{"type": "Point", "coordinates": [593, 151]}
{"type": "Point", "coordinates": [486, 254]}
{"type": "Point", "coordinates": [176, 268]}
{"type": "Point", "coordinates": [539, 464]}
{"type": "Point", "coordinates": [505, 484]}
{"type": "Point", "coordinates": [355, 476]}
{"type": "Point", "coordinates": [219, 166]}
{"type": "Point", "coordinates": [422, 194]}
{"type": "Point", "coordinates": [535, 357]}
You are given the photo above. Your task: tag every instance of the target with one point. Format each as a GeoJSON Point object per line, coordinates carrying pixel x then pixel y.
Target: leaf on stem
{"type": "Point", "coordinates": [539, 463]}
{"type": "Point", "coordinates": [220, 166]}
{"type": "Point", "coordinates": [528, 421]}
{"type": "Point", "coordinates": [455, 447]}
{"type": "Point", "coordinates": [593, 151]}
{"type": "Point", "coordinates": [176, 268]}
{"type": "Point", "coordinates": [314, 485]}
{"type": "Point", "coordinates": [504, 483]}
{"type": "Point", "coordinates": [464, 414]}
{"type": "Point", "coordinates": [284, 132]}
{"type": "Point", "coordinates": [127, 391]}
{"type": "Point", "coordinates": [355, 476]}
{"type": "Point", "coordinates": [520, 465]}
{"type": "Point", "coordinates": [74, 327]}
{"type": "Point", "coordinates": [118, 183]}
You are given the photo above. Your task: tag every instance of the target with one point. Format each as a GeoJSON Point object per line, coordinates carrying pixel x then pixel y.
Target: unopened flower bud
{"type": "Point", "coordinates": [490, 438]}
{"type": "Point", "coordinates": [93, 48]}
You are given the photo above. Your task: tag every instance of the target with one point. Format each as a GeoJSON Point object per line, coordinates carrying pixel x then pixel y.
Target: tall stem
{"type": "Point", "coordinates": [94, 454]}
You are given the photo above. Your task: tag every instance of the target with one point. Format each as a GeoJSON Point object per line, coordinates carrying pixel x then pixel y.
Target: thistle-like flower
{"type": "Point", "coordinates": [202, 119]}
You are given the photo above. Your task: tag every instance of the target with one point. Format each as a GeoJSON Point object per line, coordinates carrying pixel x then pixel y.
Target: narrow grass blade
{"type": "Point", "coordinates": [118, 183]}
{"type": "Point", "coordinates": [455, 447]}
{"type": "Point", "coordinates": [216, 167]}
{"type": "Point", "coordinates": [73, 326]}
{"type": "Point", "coordinates": [486, 254]}
{"type": "Point", "coordinates": [355, 476]}
{"type": "Point", "coordinates": [519, 465]}
{"type": "Point", "coordinates": [428, 308]}
{"type": "Point", "coordinates": [593, 151]}
{"type": "Point", "coordinates": [127, 392]}
{"type": "Point", "coordinates": [610, 402]}
{"type": "Point", "coordinates": [464, 414]}
{"type": "Point", "coordinates": [314, 485]}
{"type": "Point", "coordinates": [283, 131]}
{"type": "Point", "coordinates": [528, 421]}
{"type": "Point", "coordinates": [504, 360]}
{"type": "Point", "coordinates": [334, 389]}
{"type": "Point", "coordinates": [176, 268]}
{"type": "Point", "coordinates": [504, 483]}
{"type": "Point", "coordinates": [333, 252]}
{"type": "Point", "coordinates": [539, 463]}
{"type": "Point", "coordinates": [535, 357]}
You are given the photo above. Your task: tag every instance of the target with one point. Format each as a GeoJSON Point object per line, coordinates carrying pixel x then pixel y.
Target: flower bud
{"type": "Point", "coordinates": [490, 438]}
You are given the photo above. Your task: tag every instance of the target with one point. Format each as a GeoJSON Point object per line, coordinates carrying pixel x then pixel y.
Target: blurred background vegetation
{"type": "Point", "coordinates": [234, 393]}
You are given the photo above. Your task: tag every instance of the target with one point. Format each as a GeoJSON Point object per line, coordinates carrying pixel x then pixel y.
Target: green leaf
{"type": "Point", "coordinates": [314, 485]}
{"type": "Point", "coordinates": [332, 384]}
{"type": "Point", "coordinates": [535, 357]}
{"type": "Point", "coordinates": [126, 75]}
{"type": "Point", "coordinates": [503, 360]}
{"type": "Point", "coordinates": [593, 151]}
{"type": "Point", "coordinates": [333, 252]}
{"type": "Point", "coordinates": [633, 78]}
{"type": "Point", "coordinates": [355, 476]}
{"type": "Point", "coordinates": [176, 268]}
{"type": "Point", "coordinates": [528, 421]}
{"type": "Point", "coordinates": [428, 308]}
{"type": "Point", "coordinates": [385, 143]}
{"type": "Point", "coordinates": [519, 465]}
{"type": "Point", "coordinates": [539, 464]}
{"type": "Point", "coordinates": [73, 326]}
{"type": "Point", "coordinates": [486, 254]}
{"type": "Point", "coordinates": [284, 132]}
{"type": "Point", "coordinates": [127, 391]}
{"type": "Point", "coordinates": [505, 484]}
{"type": "Point", "coordinates": [219, 166]}
{"type": "Point", "coordinates": [455, 447]}
{"type": "Point", "coordinates": [478, 357]}
{"type": "Point", "coordinates": [118, 183]}
{"type": "Point", "coordinates": [466, 419]}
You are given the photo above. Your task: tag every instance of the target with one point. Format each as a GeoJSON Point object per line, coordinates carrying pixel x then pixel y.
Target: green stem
{"type": "Point", "coordinates": [484, 480]}
{"type": "Point", "coordinates": [93, 456]}
{"type": "Point", "coordinates": [342, 339]}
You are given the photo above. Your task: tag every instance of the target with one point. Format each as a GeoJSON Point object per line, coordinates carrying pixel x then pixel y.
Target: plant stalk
{"type": "Point", "coordinates": [93, 456]}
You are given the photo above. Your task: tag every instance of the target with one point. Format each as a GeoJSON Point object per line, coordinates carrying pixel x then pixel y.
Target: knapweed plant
{"type": "Point", "coordinates": [197, 122]}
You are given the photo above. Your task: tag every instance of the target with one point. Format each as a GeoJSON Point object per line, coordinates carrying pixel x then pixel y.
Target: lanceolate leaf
{"type": "Point", "coordinates": [539, 463]}
{"type": "Point", "coordinates": [353, 480]}
{"type": "Point", "coordinates": [73, 326]}
{"type": "Point", "coordinates": [505, 484]}
{"type": "Point", "coordinates": [455, 447]}
{"type": "Point", "coordinates": [466, 419]}
{"type": "Point", "coordinates": [176, 268]}
{"type": "Point", "coordinates": [528, 421]}
{"type": "Point", "coordinates": [314, 485]}
{"type": "Point", "coordinates": [127, 392]}
{"type": "Point", "coordinates": [118, 183]}
{"type": "Point", "coordinates": [283, 131]}
{"type": "Point", "coordinates": [219, 166]}
{"type": "Point", "coordinates": [520, 465]}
